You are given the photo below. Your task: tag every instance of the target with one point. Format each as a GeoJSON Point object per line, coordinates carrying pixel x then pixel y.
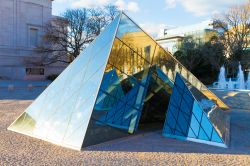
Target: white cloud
{"type": "Point", "coordinates": [170, 3]}
{"type": "Point", "coordinates": [130, 6]}
{"type": "Point", "coordinates": [89, 3]}
{"type": "Point", "coordinates": [62, 1]}
{"type": "Point", "coordinates": [120, 4]}
{"type": "Point", "coordinates": [156, 30]}
{"type": "Point", "coordinates": [133, 7]}
{"type": "Point", "coordinates": [59, 6]}
{"type": "Point", "coordinates": [198, 7]}
{"type": "Point", "coordinates": [203, 7]}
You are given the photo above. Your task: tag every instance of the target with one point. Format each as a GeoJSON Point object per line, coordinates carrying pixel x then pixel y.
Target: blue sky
{"type": "Point", "coordinates": [154, 15]}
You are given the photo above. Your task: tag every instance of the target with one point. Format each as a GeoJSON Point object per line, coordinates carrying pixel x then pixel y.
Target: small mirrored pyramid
{"type": "Point", "coordinates": [121, 83]}
{"type": "Point", "coordinates": [190, 116]}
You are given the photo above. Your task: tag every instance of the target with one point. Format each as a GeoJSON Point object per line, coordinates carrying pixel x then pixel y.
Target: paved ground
{"type": "Point", "coordinates": [144, 149]}
{"type": "Point", "coordinates": [21, 90]}
{"type": "Point", "coordinates": [236, 99]}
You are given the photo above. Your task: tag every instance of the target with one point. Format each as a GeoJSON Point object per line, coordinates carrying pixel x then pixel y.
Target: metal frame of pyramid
{"type": "Point", "coordinates": [108, 89]}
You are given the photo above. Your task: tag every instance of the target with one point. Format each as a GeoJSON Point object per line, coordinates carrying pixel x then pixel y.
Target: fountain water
{"type": "Point", "coordinates": [222, 78]}
{"type": "Point", "coordinates": [230, 84]}
{"type": "Point", "coordinates": [240, 79]}
{"type": "Point", "coordinates": [239, 83]}
{"type": "Point", "coordinates": [248, 81]}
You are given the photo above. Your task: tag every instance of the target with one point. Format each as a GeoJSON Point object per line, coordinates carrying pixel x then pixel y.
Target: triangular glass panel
{"type": "Point", "coordinates": [191, 118]}
{"type": "Point", "coordinates": [80, 80]}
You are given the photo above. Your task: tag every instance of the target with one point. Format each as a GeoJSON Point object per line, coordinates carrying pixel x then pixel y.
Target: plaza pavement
{"type": "Point", "coordinates": [142, 149]}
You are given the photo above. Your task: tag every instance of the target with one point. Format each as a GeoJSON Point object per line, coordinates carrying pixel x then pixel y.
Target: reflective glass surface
{"type": "Point", "coordinates": [135, 38]}
{"type": "Point", "coordinates": [113, 86]}
{"type": "Point", "coordinates": [185, 116]}
{"type": "Point", "coordinates": [119, 102]}
{"type": "Point", "coordinates": [123, 100]}
{"type": "Point", "coordinates": [62, 112]}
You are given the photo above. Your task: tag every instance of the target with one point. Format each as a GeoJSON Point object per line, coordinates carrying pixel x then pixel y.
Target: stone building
{"type": "Point", "coordinates": [21, 28]}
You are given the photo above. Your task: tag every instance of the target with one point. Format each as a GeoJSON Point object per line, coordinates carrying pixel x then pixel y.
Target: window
{"type": "Point", "coordinates": [34, 71]}
{"type": "Point", "coordinates": [33, 37]}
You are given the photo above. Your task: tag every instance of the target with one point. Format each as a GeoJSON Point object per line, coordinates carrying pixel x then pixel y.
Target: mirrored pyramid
{"type": "Point", "coordinates": [123, 83]}
{"type": "Point", "coordinates": [191, 116]}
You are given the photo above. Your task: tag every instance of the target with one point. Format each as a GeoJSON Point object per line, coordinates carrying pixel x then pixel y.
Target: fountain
{"type": "Point", "coordinates": [230, 84]}
{"type": "Point", "coordinates": [222, 78]}
{"type": "Point", "coordinates": [240, 78]}
{"type": "Point", "coordinates": [248, 81]}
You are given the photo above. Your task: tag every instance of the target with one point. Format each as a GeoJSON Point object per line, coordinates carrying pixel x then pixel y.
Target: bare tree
{"type": "Point", "coordinates": [65, 37]}
{"type": "Point", "coordinates": [111, 11]}
{"type": "Point", "coordinates": [101, 17]}
{"type": "Point", "coordinates": [236, 26]}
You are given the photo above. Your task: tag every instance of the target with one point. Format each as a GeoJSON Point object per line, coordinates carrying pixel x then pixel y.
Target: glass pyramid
{"type": "Point", "coordinates": [123, 79]}
{"type": "Point", "coordinates": [190, 118]}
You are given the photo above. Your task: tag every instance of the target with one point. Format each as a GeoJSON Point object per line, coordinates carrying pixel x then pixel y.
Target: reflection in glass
{"type": "Point", "coordinates": [70, 96]}
{"type": "Point", "coordinates": [186, 115]}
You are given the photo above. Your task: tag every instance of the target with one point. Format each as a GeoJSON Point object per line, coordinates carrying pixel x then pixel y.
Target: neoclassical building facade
{"type": "Point", "coordinates": [21, 28]}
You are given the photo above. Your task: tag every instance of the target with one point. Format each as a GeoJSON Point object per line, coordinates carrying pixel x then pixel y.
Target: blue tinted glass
{"type": "Point", "coordinates": [185, 108]}
{"type": "Point", "coordinates": [189, 99]}
{"type": "Point", "coordinates": [174, 111]}
{"type": "Point", "coordinates": [178, 89]}
{"type": "Point", "coordinates": [176, 97]}
{"type": "Point", "coordinates": [197, 111]}
{"type": "Point", "coordinates": [206, 125]}
{"type": "Point", "coordinates": [194, 125]}
{"type": "Point", "coordinates": [119, 116]}
{"type": "Point", "coordinates": [171, 120]}
{"type": "Point", "coordinates": [183, 123]}
{"type": "Point", "coordinates": [178, 128]}
{"type": "Point", "coordinates": [179, 82]}
{"type": "Point", "coordinates": [191, 134]}
{"type": "Point", "coordinates": [191, 117]}
{"type": "Point", "coordinates": [187, 117]}
{"type": "Point", "coordinates": [121, 113]}
{"type": "Point", "coordinates": [179, 133]}
{"type": "Point", "coordinates": [167, 130]}
{"type": "Point", "coordinates": [216, 137]}
{"type": "Point", "coordinates": [131, 98]}
{"type": "Point", "coordinates": [202, 135]}
{"type": "Point", "coordinates": [111, 86]}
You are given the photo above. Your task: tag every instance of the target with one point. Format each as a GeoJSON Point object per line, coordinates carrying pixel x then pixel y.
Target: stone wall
{"type": "Point", "coordinates": [17, 18]}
